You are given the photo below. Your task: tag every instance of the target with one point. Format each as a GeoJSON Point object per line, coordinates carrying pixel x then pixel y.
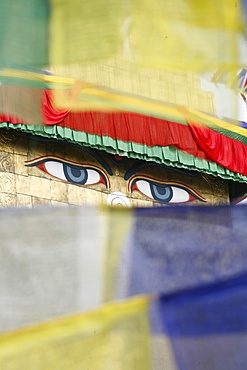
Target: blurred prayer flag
{"type": "Point", "coordinates": [24, 33]}
{"type": "Point", "coordinates": [207, 326]}
{"type": "Point", "coordinates": [180, 35]}
{"type": "Point", "coordinates": [126, 54]}
{"type": "Point", "coordinates": [115, 337]}
{"type": "Point", "coordinates": [191, 262]}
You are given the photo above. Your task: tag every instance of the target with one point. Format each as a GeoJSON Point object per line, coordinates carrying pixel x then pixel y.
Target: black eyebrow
{"type": "Point", "coordinates": [100, 160]}
{"type": "Point", "coordinates": [137, 167]}
{"type": "Point", "coordinates": [89, 150]}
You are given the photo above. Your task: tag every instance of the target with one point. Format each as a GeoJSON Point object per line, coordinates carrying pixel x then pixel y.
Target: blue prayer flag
{"type": "Point", "coordinates": [170, 249]}
{"type": "Point", "coordinates": [207, 326]}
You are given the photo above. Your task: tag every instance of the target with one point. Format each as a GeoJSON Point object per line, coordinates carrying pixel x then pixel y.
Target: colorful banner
{"type": "Point", "coordinates": [172, 250]}
{"type": "Point", "coordinates": [182, 35]}
{"type": "Point", "coordinates": [24, 33]}
{"type": "Point", "coordinates": [207, 326]}
{"type": "Point", "coordinates": [134, 57]}
{"type": "Point", "coordinates": [189, 262]}
{"type": "Point", "coordinates": [51, 264]}
{"type": "Point", "coordinates": [185, 35]}
{"type": "Point", "coordinates": [113, 337]}
{"type": "Point", "coordinates": [56, 262]}
{"type": "Point", "coordinates": [179, 248]}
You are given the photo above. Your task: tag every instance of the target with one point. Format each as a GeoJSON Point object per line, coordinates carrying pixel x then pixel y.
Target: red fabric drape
{"type": "Point", "coordinates": [131, 127]}
{"type": "Point", "coordinates": [51, 116]}
{"type": "Point", "coordinates": [12, 119]}
{"type": "Point", "coordinates": [227, 152]}
{"type": "Point", "coordinates": [202, 142]}
{"type": "Point", "coordinates": [125, 126]}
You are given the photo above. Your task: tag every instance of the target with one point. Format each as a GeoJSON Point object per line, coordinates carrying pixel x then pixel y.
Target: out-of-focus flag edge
{"type": "Point", "coordinates": [207, 326]}
{"type": "Point", "coordinates": [114, 336]}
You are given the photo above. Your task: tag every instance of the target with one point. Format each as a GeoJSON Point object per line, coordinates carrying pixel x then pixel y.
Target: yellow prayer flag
{"type": "Point", "coordinates": [186, 34]}
{"type": "Point", "coordinates": [116, 222]}
{"type": "Point", "coordinates": [82, 30]}
{"type": "Point", "coordinates": [112, 338]}
{"type": "Point", "coordinates": [179, 35]}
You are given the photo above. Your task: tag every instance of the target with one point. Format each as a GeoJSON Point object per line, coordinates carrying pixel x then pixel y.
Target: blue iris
{"type": "Point", "coordinates": [74, 174]}
{"type": "Point", "coordinates": [161, 193]}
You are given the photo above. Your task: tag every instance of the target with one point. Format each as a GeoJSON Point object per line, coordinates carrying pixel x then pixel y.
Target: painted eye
{"type": "Point", "coordinates": [240, 201]}
{"type": "Point", "coordinates": [165, 192]}
{"type": "Point", "coordinates": [70, 172]}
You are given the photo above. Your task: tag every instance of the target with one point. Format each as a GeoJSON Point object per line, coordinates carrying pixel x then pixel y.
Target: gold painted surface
{"type": "Point", "coordinates": [40, 187]}
{"type": "Point", "coordinates": [23, 185]}
{"type": "Point", "coordinates": [7, 182]}
{"type": "Point", "coordinates": [24, 200]}
{"type": "Point", "coordinates": [7, 200]}
{"type": "Point", "coordinates": [59, 192]}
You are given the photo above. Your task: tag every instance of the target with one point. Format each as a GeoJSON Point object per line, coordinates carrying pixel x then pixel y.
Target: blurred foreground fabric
{"type": "Point", "coordinates": [114, 337]}
{"type": "Point", "coordinates": [183, 34]}
{"type": "Point", "coordinates": [188, 262]}
{"type": "Point", "coordinates": [207, 326]}
{"type": "Point", "coordinates": [136, 56]}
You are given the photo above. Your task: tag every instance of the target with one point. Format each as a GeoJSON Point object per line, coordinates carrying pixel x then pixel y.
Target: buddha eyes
{"type": "Point", "coordinates": [164, 192]}
{"type": "Point", "coordinates": [70, 172]}
{"type": "Point", "coordinates": [87, 174]}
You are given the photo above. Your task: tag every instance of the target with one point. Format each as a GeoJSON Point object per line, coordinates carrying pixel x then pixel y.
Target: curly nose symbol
{"type": "Point", "coordinates": [118, 199]}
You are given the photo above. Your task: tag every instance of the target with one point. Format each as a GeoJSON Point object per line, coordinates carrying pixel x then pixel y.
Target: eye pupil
{"type": "Point", "coordinates": [75, 175]}
{"type": "Point", "coordinates": [75, 172]}
{"type": "Point", "coordinates": [161, 193]}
